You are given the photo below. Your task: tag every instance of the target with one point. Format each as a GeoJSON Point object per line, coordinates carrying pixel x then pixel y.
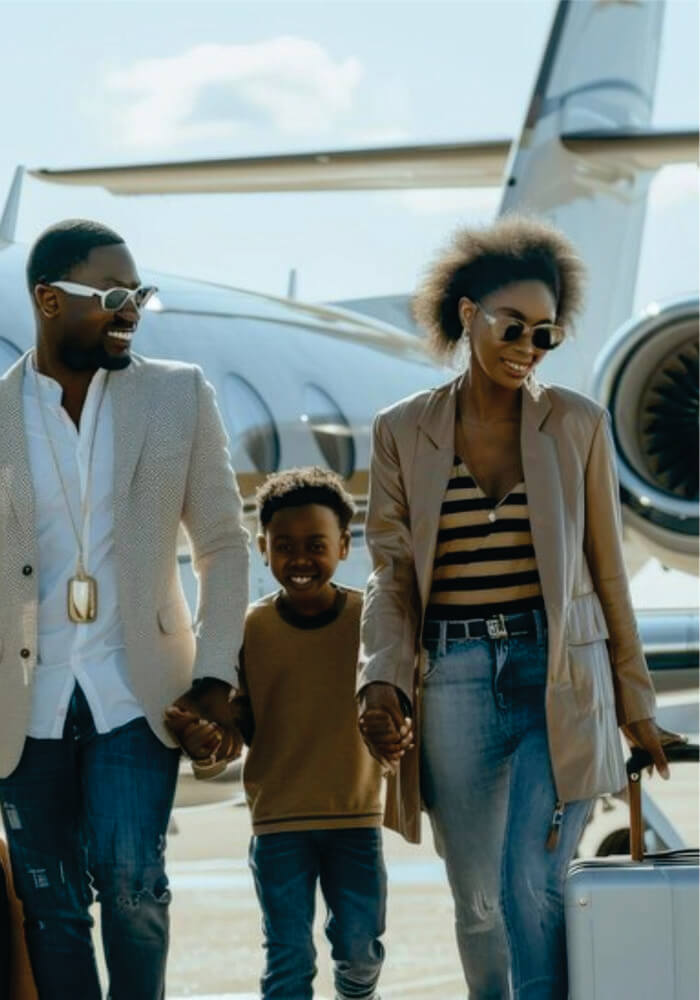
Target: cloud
{"type": "Point", "coordinates": [289, 84]}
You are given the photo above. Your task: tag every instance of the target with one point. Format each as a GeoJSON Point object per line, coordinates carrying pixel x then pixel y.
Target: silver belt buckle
{"type": "Point", "coordinates": [496, 627]}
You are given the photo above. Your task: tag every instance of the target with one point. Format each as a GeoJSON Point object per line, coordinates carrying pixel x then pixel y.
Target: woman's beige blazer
{"type": "Point", "coordinates": [597, 677]}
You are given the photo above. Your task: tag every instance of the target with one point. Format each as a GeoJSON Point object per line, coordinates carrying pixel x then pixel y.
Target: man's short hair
{"type": "Point", "coordinates": [62, 246]}
{"type": "Point", "coordinates": [298, 487]}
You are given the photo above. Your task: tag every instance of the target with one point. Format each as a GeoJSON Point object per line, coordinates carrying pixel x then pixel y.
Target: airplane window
{"type": "Point", "coordinates": [251, 425]}
{"type": "Point", "coordinates": [8, 354]}
{"type": "Point", "coordinates": [330, 429]}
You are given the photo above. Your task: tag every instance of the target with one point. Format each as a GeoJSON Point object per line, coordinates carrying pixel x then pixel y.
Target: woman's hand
{"type": "Point", "coordinates": [387, 732]}
{"type": "Point", "coordinates": [648, 736]}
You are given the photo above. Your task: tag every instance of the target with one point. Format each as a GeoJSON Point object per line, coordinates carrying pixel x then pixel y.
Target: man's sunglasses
{"type": "Point", "coordinates": [111, 299]}
{"type": "Point", "coordinates": [545, 336]}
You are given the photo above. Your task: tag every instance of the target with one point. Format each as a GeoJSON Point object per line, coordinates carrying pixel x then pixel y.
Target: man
{"type": "Point", "coordinates": [102, 456]}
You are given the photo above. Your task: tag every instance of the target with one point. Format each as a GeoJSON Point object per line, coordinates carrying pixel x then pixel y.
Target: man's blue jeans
{"type": "Point", "coordinates": [350, 867]}
{"type": "Point", "coordinates": [91, 811]}
{"type": "Point", "coordinates": [487, 784]}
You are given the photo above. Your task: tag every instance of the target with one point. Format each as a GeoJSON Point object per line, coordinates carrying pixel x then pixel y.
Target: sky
{"type": "Point", "coordinates": [117, 82]}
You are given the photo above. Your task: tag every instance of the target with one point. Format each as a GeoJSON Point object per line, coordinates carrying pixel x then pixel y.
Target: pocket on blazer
{"type": "Point", "coordinates": [174, 617]}
{"type": "Point", "coordinates": [587, 650]}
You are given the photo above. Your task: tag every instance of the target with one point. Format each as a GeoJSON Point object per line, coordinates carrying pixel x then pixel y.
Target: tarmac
{"type": "Point", "coordinates": [216, 952]}
{"type": "Point", "coordinates": [216, 940]}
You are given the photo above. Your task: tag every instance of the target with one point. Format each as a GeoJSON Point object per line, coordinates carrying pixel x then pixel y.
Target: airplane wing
{"type": "Point", "coordinates": [472, 164]}
{"type": "Point", "coordinates": [633, 150]}
{"type": "Point", "coordinates": [447, 165]}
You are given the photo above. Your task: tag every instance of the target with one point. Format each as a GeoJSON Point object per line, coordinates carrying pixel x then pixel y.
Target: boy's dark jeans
{"type": "Point", "coordinates": [97, 803]}
{"type": "Point", "coordinates": [349, 865]}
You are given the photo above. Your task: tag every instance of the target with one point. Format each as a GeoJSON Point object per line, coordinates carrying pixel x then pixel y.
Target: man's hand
{"type": "Point", "coordinates": [202, 740]}
{"type": "Point", "coordinates": [198, 738]}
{"type": "Point", "coordinates": [648, 736]}
{"type": "Point", "coordinates": [387, 732]}
{"type": "Point", "coordinates": [208, 699]}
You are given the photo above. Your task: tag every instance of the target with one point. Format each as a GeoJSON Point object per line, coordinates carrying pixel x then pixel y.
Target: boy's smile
{"type": "Point", "coordinates": [304, 546]}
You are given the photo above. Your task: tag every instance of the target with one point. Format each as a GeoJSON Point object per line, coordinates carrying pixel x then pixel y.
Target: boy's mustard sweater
{"type": "Point", "coordinates": [307, 767]}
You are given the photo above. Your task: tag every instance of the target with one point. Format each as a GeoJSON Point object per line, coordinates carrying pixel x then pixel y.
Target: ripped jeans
{"type": "Point", "coordinates": [90, 812]}
{"type": "Point", "coordinates": [487, 783]}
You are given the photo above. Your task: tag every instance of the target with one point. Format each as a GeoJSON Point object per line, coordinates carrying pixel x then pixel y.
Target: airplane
{"type": "Point", "coordinates": [299, 384]}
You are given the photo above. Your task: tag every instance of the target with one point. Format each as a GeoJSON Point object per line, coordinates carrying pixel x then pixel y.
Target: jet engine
{"type": "Point", "coordinates": [647, 377]}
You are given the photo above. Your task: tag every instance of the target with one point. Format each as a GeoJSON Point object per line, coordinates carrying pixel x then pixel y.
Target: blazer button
{"type": "Point", "coordinates": [27, 570]}
{"type": "Point", "coordinates": [24, 653]}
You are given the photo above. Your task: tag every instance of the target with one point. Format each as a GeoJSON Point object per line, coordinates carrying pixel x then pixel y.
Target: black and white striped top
{"type": "Point", "coordinates": [484, 558]}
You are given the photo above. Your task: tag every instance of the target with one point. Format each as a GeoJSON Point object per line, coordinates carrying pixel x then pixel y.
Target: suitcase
{"type": "Point", "coordinates": [632, 924]}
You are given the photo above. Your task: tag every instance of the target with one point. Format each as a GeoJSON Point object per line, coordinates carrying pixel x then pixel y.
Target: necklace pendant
{"type": "Point", "coordinates": [82, 599]}
{"type": "Point", "coordinates": [492, 516]}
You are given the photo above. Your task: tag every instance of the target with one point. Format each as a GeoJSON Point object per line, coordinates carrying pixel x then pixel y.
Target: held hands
{"type": "Point", "coordinates": [210, 699]}
{"type": "Point", "coordinates": [387, 732]}
{"type": "Point", "coordinates": [198, 738]}
{"type": "Point", "coordinates": [648, 736]}
{"type": "Point", "coordinates": [201, 722]}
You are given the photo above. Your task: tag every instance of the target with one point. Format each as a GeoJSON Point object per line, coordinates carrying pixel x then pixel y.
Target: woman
{"type": "Point", "coordinates": [498, 622]}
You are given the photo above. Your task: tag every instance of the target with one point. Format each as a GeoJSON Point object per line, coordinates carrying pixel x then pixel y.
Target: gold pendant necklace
{"type": "Point", "coordinates": [82, 597]}
{"type": "Point", "coordinates": [82, 588]}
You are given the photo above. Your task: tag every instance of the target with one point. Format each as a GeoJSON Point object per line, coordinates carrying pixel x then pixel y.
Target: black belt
{"type": "Point", "coordinates": [495, 627]}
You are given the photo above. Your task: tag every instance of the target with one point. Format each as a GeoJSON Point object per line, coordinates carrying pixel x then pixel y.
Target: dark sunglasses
{"type": "Point", "coordinates": [545, 336]}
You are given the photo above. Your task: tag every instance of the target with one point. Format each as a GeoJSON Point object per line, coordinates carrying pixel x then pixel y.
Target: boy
{"type": "Point", "coordinates": [312, 786]}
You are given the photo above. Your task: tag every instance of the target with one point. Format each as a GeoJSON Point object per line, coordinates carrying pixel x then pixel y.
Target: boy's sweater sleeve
{"type": "Point", "coordinates": [241, 707]}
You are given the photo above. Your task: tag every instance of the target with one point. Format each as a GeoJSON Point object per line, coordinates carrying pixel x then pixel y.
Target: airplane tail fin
{"type": "Point", "coordinates": [8, 222]}
{"type": "Point", "coordinates": [586, 154]}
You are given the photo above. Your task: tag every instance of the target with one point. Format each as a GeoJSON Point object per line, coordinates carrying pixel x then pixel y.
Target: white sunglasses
{"type": "Point", "coordinates": [111, 299]}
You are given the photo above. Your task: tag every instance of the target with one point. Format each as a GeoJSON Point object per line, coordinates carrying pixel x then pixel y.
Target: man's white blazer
{"type": "Point", "coordinates": [171, 467]}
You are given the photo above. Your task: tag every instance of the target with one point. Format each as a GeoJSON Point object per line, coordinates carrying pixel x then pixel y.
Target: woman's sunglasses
{"type": "Point", "coordinates": [111, 299]}
{"type": "Point", "coordinates": [545, 336]}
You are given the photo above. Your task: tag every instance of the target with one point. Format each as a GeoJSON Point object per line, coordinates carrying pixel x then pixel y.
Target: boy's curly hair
{"type": "Point", "coordinates": [478, 261]}
{"type": "Point", "coordinates": [296, 487]}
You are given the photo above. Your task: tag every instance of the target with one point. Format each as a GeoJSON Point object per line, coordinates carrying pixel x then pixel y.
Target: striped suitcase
{"type": "Point", "coordinates": [632, 925]}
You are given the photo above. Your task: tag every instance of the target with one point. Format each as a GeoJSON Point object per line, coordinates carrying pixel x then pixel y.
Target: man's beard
{"type": "Point", "coordinates": [82, 359]}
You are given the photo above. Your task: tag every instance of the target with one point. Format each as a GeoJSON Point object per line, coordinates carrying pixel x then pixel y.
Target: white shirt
{"type": "Point", "coordinates": [92, 654]}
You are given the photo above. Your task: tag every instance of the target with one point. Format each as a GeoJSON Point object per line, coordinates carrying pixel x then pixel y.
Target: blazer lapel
{"type": "Point", "coordinates": [15, 475]}
{"type": "Point", "coordinates": [432, 465]}
{"type": "Point", "coordinates": [130, 413]}
{"type": "Point", "coordinates": [544, 496]}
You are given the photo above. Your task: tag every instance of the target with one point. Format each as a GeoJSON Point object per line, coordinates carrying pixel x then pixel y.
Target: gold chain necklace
{"type": "Point", "coordinates": [82, 588]}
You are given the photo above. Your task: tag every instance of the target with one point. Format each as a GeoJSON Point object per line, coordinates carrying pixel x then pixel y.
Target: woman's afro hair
{"type": "Point", "coordinates": [476, 262]}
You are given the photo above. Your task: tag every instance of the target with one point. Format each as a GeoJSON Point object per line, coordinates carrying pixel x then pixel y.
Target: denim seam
{"type": "Point", "coordinates": [514, 964]}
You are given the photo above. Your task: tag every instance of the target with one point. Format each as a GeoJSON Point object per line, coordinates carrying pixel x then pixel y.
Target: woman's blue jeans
{"type": "Point", "coordinates": [487, 784]}
{"type": "Point", "coordinates": [88, 812]}
{"type": "Point", "coordinates": [349, 866]}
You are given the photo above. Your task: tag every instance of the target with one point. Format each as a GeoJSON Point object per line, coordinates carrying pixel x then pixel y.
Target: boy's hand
{"type": "Point", "coordinates": [385, 730]}
{"type": "Point", "coordinates": [197, 737]}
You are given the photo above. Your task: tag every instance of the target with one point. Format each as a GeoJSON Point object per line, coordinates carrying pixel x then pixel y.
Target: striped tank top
{"type": "Point", "coordinates": [484, 557]}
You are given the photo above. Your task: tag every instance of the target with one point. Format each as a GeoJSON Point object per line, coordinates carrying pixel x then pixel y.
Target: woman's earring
{"type": "Point", "coordinates": [465, 330]}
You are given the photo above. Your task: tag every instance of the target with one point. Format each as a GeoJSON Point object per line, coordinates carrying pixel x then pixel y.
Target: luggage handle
{"type": "Point", "coordinates": [638, 760]}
